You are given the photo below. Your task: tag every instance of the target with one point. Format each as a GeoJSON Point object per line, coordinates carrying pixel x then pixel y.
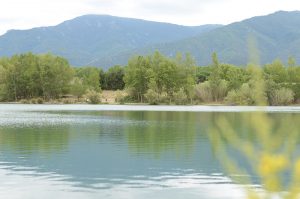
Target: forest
{"type": "Point", "coordinates": [152, 79]}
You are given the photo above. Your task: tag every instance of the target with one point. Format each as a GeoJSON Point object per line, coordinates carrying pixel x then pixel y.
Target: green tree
{"type": "Point", "coordinates": [235, 76]}
{"type": "Point", "coordinates": [276, 72]}
{"type": "Point", "coordinates": [55, 76]}
{"type": "Point", "coordinates": [293, 73]}
{"type": "Point", "coordinates": [170, 77]}
{"type": "Point", "coordinates": [137, 76]}
{"type": "Point", "coordinates": [90, 77]}
{"type": "Point", "coordinates": [114, 78]}
{"type": "Point", "coordinates": [203, 73]}
{"type": "Point", "coordinates": [215, 80]}
{"type": "Point", "coordinates": [187, 75]}
{"type": "Point", "coordinates": [2, 82]}
{"type": "Point", "coordinates": [78, 88]}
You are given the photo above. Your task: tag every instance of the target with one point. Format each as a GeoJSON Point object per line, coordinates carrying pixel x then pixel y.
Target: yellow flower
{"type": "Point", "coordinates": [272, 164]}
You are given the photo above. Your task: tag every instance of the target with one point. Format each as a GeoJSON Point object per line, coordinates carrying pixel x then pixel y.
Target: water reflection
{"type": "Point", "coordinates": [136, 154]}
{"type": "Point", "coordinates": [34, 140]}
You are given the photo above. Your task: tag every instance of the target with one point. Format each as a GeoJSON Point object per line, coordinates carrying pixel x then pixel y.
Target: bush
{"type": "Point", "coordinates": [40, 100]}
{"type": "Point", "coordinates": [93, 97]}
{"type": "Point", "coordinates": [207, 93]}
{"type": "Point", "coordinates": [203, 92]}
{"type": "Point", "coordinates": [221, 91]}
{"type": "Point", "coordinates": [120, 97]}
{"type": "Point", "coordinates": [180, 97]}
{"type": "Point", "coordinates": [164, 98]}
{"type": "Point", "coordinates": [24, 101]}
{"type": "Point", "coordinates": [282, 96]}
{"type": "Point", "coordinates": [33, 101]}
{"type": "Point", "coordinates": [233, 98]}
{"type": "Point", "coordinates": [152, 97]}
{"type": "Point", "coordinates": [242, 96]}
{"type": "Point", "coordinates": [295, 87]}
{"type": "Point", "coordinates": [68, 101]}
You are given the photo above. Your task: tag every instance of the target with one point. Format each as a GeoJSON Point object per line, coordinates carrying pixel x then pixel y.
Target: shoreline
{"type": "Point", "coordinates": [167, 108]}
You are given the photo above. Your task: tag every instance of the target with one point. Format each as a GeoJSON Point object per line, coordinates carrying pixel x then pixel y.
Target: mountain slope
{"type": "Point", "coordinates": [276, 36]}
{"type": "Point", "coordinates": [85, 39]}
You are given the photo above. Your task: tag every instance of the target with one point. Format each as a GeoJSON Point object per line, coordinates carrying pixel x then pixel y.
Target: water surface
{"type": "Point", "coordinates": [85, 151]}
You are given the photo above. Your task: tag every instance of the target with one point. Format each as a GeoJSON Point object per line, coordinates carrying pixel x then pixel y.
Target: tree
{"type": "Point", "coordinates": [137, 76]}
{"type": "Point", "coordinates": [235, 76]}
{"type": "Point", "coordinates": [187, 75]}
{"type": "Point", "coordinates": [2, 82]}
{"type": "Point", "coordinates": [203, 73]}
{"type": "Point", "coordinates": [55, 76]}
{"type": "Point", "coordinates": [276, 72]}
{"type": "Point", "coordinates": [90, 77]}
{"type": "Point", "coordinates": [78, 88]}
{"type": "Point", "coordinates": [215, 79]}
{"type": "Point", "coordinates": [114, 78]}
{"type": "Point", "coordinates": [293, 73]}
{"type": "Point", "coordinates": [169, 77]}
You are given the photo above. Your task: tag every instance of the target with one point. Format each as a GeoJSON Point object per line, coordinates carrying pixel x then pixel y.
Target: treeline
{"type": "Point", "coordinates": [29, 76]}
{"type": "Point", "coordinates": [158, 79]}
{"type": "Point", "coordinates": [154, 79]}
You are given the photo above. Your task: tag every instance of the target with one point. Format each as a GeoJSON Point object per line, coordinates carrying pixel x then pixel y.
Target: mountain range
{"type": "Point", "coordinates": [90, 38]}
{"type": "Point", "coordinates": [104, 41]}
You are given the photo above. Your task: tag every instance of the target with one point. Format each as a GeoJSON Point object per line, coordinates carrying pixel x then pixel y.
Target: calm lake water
{"type": "Point", "coordinates": [116, 152]}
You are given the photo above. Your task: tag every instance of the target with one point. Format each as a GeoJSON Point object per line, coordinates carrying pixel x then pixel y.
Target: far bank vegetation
{"type": "Point", "coordinates": [152, 79]}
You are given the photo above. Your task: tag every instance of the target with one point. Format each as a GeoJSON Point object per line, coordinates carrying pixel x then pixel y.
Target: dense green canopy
{"type": "Point", "coordinates": [153, 79]}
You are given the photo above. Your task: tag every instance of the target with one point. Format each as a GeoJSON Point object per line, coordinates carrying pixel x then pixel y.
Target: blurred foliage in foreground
{"type": "Point", "coordinates": [271, 153]}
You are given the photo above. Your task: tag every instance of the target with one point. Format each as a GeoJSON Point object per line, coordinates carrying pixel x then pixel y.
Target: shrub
{"type": "Point", "coordinates": [221, 91]}
{"type": "Point", "coordinates": [282, 96]}
{"type": "Point", "coordinates": [233, 98]}
{"type": "Point", "coordinates": [247, 94]}
{"type": "Point", "coordinates": [295, 87]}
{"type": "Point", "coordinates": [152, 97]}
{"type": "Point", "coordinates": [25, 101]}
{"type": "Point", "coordinates": [203, 91]}
{"type": "Point", "coordinates": [68, 101]}
{"type": "Point", "coordinates": [93, 97]}
{"type": "Point", "coordinates": [120, 97]}
{"type": "Point", "coordinates": [155, 98]}
{"type": "Point", "coordinates": [242, 96]}
{"type": "Point", "coordinates": [208, 93]}
{"type": "Point", "coordinates": [33, 101]}
{"type": "Point", "coordinates": [40, 100]}
{"type": "Point", "coordinates": [180, 97]}
{"type": "Point", "coordinates": [164, 98]}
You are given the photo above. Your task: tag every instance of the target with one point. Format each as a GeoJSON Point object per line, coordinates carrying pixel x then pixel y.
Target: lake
{"type": "Point", "coordinates": [116, 152]}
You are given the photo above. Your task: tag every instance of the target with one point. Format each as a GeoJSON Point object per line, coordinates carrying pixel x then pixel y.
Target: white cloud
{"type": "Point", "coordinates": [20, 14]}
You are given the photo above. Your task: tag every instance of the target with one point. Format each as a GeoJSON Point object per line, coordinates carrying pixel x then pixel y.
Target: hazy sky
{"type": "Point", "coordinates": [24, 14]}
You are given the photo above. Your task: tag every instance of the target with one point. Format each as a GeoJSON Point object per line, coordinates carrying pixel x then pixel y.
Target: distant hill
{"type": "Point", "coordinates": [277, 36]}
{"type": "Point", "coordinates": [102, 40]}
{"type": "Point", "coordinates": [88, 39]}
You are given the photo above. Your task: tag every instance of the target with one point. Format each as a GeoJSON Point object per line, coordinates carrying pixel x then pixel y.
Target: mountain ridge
{"type": "Point", "coordinates": [230, 42]}
{"type": "Point", "coordinates": [105, 40]}
{"type": "Point", "coordinates": [88, 37]}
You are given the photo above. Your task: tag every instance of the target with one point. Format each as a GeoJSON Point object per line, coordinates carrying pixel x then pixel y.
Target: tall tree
{"type": "Point", "coordinates": [114, 78]}
{"type": "Point", "coordinates": [90, 77]}
{"type": "Point", "coordinates": [137, 76]}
